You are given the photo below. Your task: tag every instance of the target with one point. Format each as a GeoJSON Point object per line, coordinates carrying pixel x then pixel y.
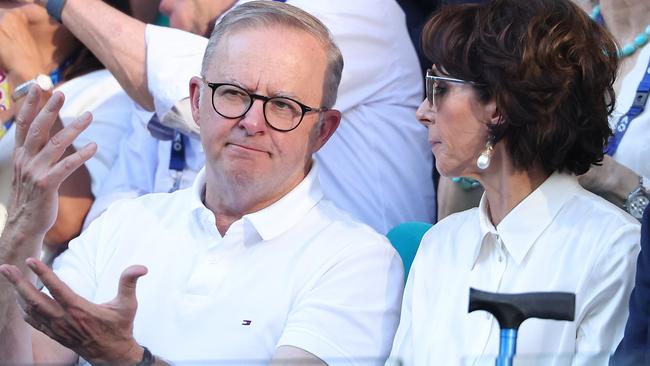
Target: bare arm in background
{"type": "Point", "coordinates": [115, 38]}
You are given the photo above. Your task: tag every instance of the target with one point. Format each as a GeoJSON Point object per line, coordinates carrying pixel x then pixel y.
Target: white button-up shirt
{"type": "Point", "coordinates": [300, 272]}
{"type": "Point", "coordinates": [559, 238]}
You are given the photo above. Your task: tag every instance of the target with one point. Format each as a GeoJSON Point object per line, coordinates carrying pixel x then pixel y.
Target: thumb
{"type": "Point", "coordinates": [128, 281]}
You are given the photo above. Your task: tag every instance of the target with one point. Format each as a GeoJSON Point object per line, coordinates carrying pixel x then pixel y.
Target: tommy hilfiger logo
{"type": "Point", "coordinates": [246, 322]}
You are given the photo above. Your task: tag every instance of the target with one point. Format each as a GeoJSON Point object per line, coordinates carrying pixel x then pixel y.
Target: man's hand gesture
{"type": "Point", "coordinates": [38, 167]}
{"type": "Point", "coordinates": [101, 334]}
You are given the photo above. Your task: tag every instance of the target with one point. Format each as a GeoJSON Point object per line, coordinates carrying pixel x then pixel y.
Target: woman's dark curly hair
{"type": "Point", "coordinates": [549, 68]}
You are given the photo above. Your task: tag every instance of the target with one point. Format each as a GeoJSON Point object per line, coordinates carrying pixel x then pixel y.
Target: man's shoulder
{"type": "Point", "coordinates": [158, 204]}
{"type": "Point", "coordinates": [341, 229]}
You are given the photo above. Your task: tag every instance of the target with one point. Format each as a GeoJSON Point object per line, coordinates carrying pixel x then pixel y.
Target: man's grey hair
{"type": "Point", "coordinates": [269, 13]}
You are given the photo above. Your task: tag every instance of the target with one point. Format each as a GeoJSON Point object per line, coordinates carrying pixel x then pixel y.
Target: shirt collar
{"type": "Point", "coordinates": [521, 228]}
{"type": "Point", "coordinates": [280, 216]}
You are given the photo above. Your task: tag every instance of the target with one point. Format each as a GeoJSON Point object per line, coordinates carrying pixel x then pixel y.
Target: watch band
{"type": "Point", "coordinates": [637, 201]}
{"type": "Point", "coordinates": [148, 358]}
{"type": "Point", "coordinates": [43, 81]}
{"type": "Point", "coordinates": [55, 8]}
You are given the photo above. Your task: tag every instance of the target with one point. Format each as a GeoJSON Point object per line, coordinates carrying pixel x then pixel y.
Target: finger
{"type": "Point", "coordinates": [70, 163]}
{"type": "Point", "coordinates": [26, 114]}
{"type": "Point", "coordinates": [33, 302]}
{"type": "Point", "coordinates": [39, 130]}
{"type": "Point", "coordinates": [57, 145]}
{"type": "Point", "coordinates": [128, 281]}
{"type": "Point", "coordinates": [59, 290]}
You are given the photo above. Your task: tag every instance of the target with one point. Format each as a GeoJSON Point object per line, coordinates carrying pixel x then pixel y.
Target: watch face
{"type": "Point", "coordinates": [637, 205]}
{"type": "Point", "coordinates": [44, 81]}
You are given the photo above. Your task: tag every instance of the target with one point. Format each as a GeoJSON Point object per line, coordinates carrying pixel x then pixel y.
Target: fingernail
{"type": "Point", "coordinates": [7, 274]}
{"type": "Point", "coordinates": [30, 263]}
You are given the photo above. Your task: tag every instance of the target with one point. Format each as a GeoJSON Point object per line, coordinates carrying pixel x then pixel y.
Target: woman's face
{"type": "Point", "coordinates": [457, 123]}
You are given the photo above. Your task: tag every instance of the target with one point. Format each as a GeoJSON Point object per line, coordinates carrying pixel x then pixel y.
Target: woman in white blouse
{"type": "Point", "coordinates": [518, 98]}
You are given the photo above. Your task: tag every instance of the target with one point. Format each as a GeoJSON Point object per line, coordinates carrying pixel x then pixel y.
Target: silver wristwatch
{"type": "Point", "coordinates": [637, 201]}
{"type": "Point", "coordinates": [43, 81]}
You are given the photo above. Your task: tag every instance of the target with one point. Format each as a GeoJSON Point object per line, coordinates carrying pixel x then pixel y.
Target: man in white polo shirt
{"type": "Point", "coordinates": [251, 263]}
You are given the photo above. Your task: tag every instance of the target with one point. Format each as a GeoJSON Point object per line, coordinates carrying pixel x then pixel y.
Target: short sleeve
{"type": "Point", "coordinates": [173, 57]}
{"type": "Point", "coordinates": [349, 313]}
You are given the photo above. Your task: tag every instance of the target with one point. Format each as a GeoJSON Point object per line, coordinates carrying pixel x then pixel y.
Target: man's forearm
{"type": "Point", "coordinates": [116, 39]}
{"type": "Point", "coordinates": [16, 346]}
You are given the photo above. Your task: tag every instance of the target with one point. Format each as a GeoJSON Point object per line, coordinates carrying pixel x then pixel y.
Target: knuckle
{"type": "Point", "coordinates": [56, 141]}
{"type": "Point", "coordinates": [31, 307]}
{"type": "Point", "coordinates": [35, 131]}
{"type": "Point", "coordinates": [42, 183]}
{"type": "Point", "coordinates": [20, 121]}
{"type": "Point", "coordinates": [71, 162]}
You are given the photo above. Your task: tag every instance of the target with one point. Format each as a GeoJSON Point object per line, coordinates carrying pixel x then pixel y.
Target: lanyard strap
{"type": "Point", "coordinates": [638, 105]}
{"type": "Point", "coordinates": [177, 160]}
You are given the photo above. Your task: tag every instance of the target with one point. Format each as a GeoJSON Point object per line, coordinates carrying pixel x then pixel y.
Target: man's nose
{"type": "Point", "coordinates": [254, 121]}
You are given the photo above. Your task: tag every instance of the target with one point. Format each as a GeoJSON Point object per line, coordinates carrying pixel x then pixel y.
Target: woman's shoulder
{"type": "Point", "coordinates": [457, 227]}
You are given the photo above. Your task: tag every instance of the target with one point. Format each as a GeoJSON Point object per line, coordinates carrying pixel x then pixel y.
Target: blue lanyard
{"type": "Point", "coordinates": [638, 105]}
{"type": "Point", "coordinates": [177, 160]}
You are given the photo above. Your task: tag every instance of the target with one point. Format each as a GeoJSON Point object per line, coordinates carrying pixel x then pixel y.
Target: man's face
{"type": "Point", "coordinates": [246, 152]}
{"type": "Point", "coordinates": [195, 16]}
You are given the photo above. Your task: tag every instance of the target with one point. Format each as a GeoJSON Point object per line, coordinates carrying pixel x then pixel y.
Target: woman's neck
{"type": "Point", "coordinates": [505, 187]}
{"type": "Point", "coordinates": [625, 19]}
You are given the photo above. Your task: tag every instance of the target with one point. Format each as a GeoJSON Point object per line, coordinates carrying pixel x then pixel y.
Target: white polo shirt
{"type": "Point", "coordinates": [378, 164]}
{"type": "Point", "coordinates": [300, 272]}
{"type": "Point", "coordinates": [559, 238]}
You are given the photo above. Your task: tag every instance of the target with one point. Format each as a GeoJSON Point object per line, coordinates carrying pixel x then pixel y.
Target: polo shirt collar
{"type": "Point", "coordinates": [521, 228]}
{"type": "Point", "coordinates": [280, 216]}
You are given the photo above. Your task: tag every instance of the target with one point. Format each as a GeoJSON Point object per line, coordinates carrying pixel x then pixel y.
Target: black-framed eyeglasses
{"type": "Point", "coordinates": [433, 87]}
{"type": "Point", "coordinates": [281, 113]}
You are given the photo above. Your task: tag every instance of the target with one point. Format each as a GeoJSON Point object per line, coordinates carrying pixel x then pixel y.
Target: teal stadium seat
{"type": "Point", "coordinates": [406, 238]}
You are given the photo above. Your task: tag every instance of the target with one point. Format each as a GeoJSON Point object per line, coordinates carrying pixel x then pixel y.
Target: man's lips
{"type": "Point", "coordinates": [247, 147]}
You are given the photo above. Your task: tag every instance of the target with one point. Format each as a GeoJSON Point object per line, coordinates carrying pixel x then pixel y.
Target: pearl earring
{"type": "Point", "coordinates": [483, 161]}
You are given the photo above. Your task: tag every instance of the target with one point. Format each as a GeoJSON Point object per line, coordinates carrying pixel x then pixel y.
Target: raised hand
{"type": "Point", "coordinates": [101, 334]}
{"type": "Point", "coordinates": [38, 167]}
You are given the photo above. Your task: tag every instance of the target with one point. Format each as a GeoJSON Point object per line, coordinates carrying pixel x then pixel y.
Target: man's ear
{"type": "Point", "coordinates": [196, 84]}
{"type": "Point", "coordinates": [330, 121]}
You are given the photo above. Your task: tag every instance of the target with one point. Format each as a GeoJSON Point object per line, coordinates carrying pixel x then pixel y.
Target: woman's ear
{"type": "Point", "coordinates": [493, 116]}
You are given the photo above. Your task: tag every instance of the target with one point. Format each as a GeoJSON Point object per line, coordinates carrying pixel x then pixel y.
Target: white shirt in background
{"type": "Point", "coordinates": [634, 150]}
{"type": "Point", "coordinates": [559, 238]}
